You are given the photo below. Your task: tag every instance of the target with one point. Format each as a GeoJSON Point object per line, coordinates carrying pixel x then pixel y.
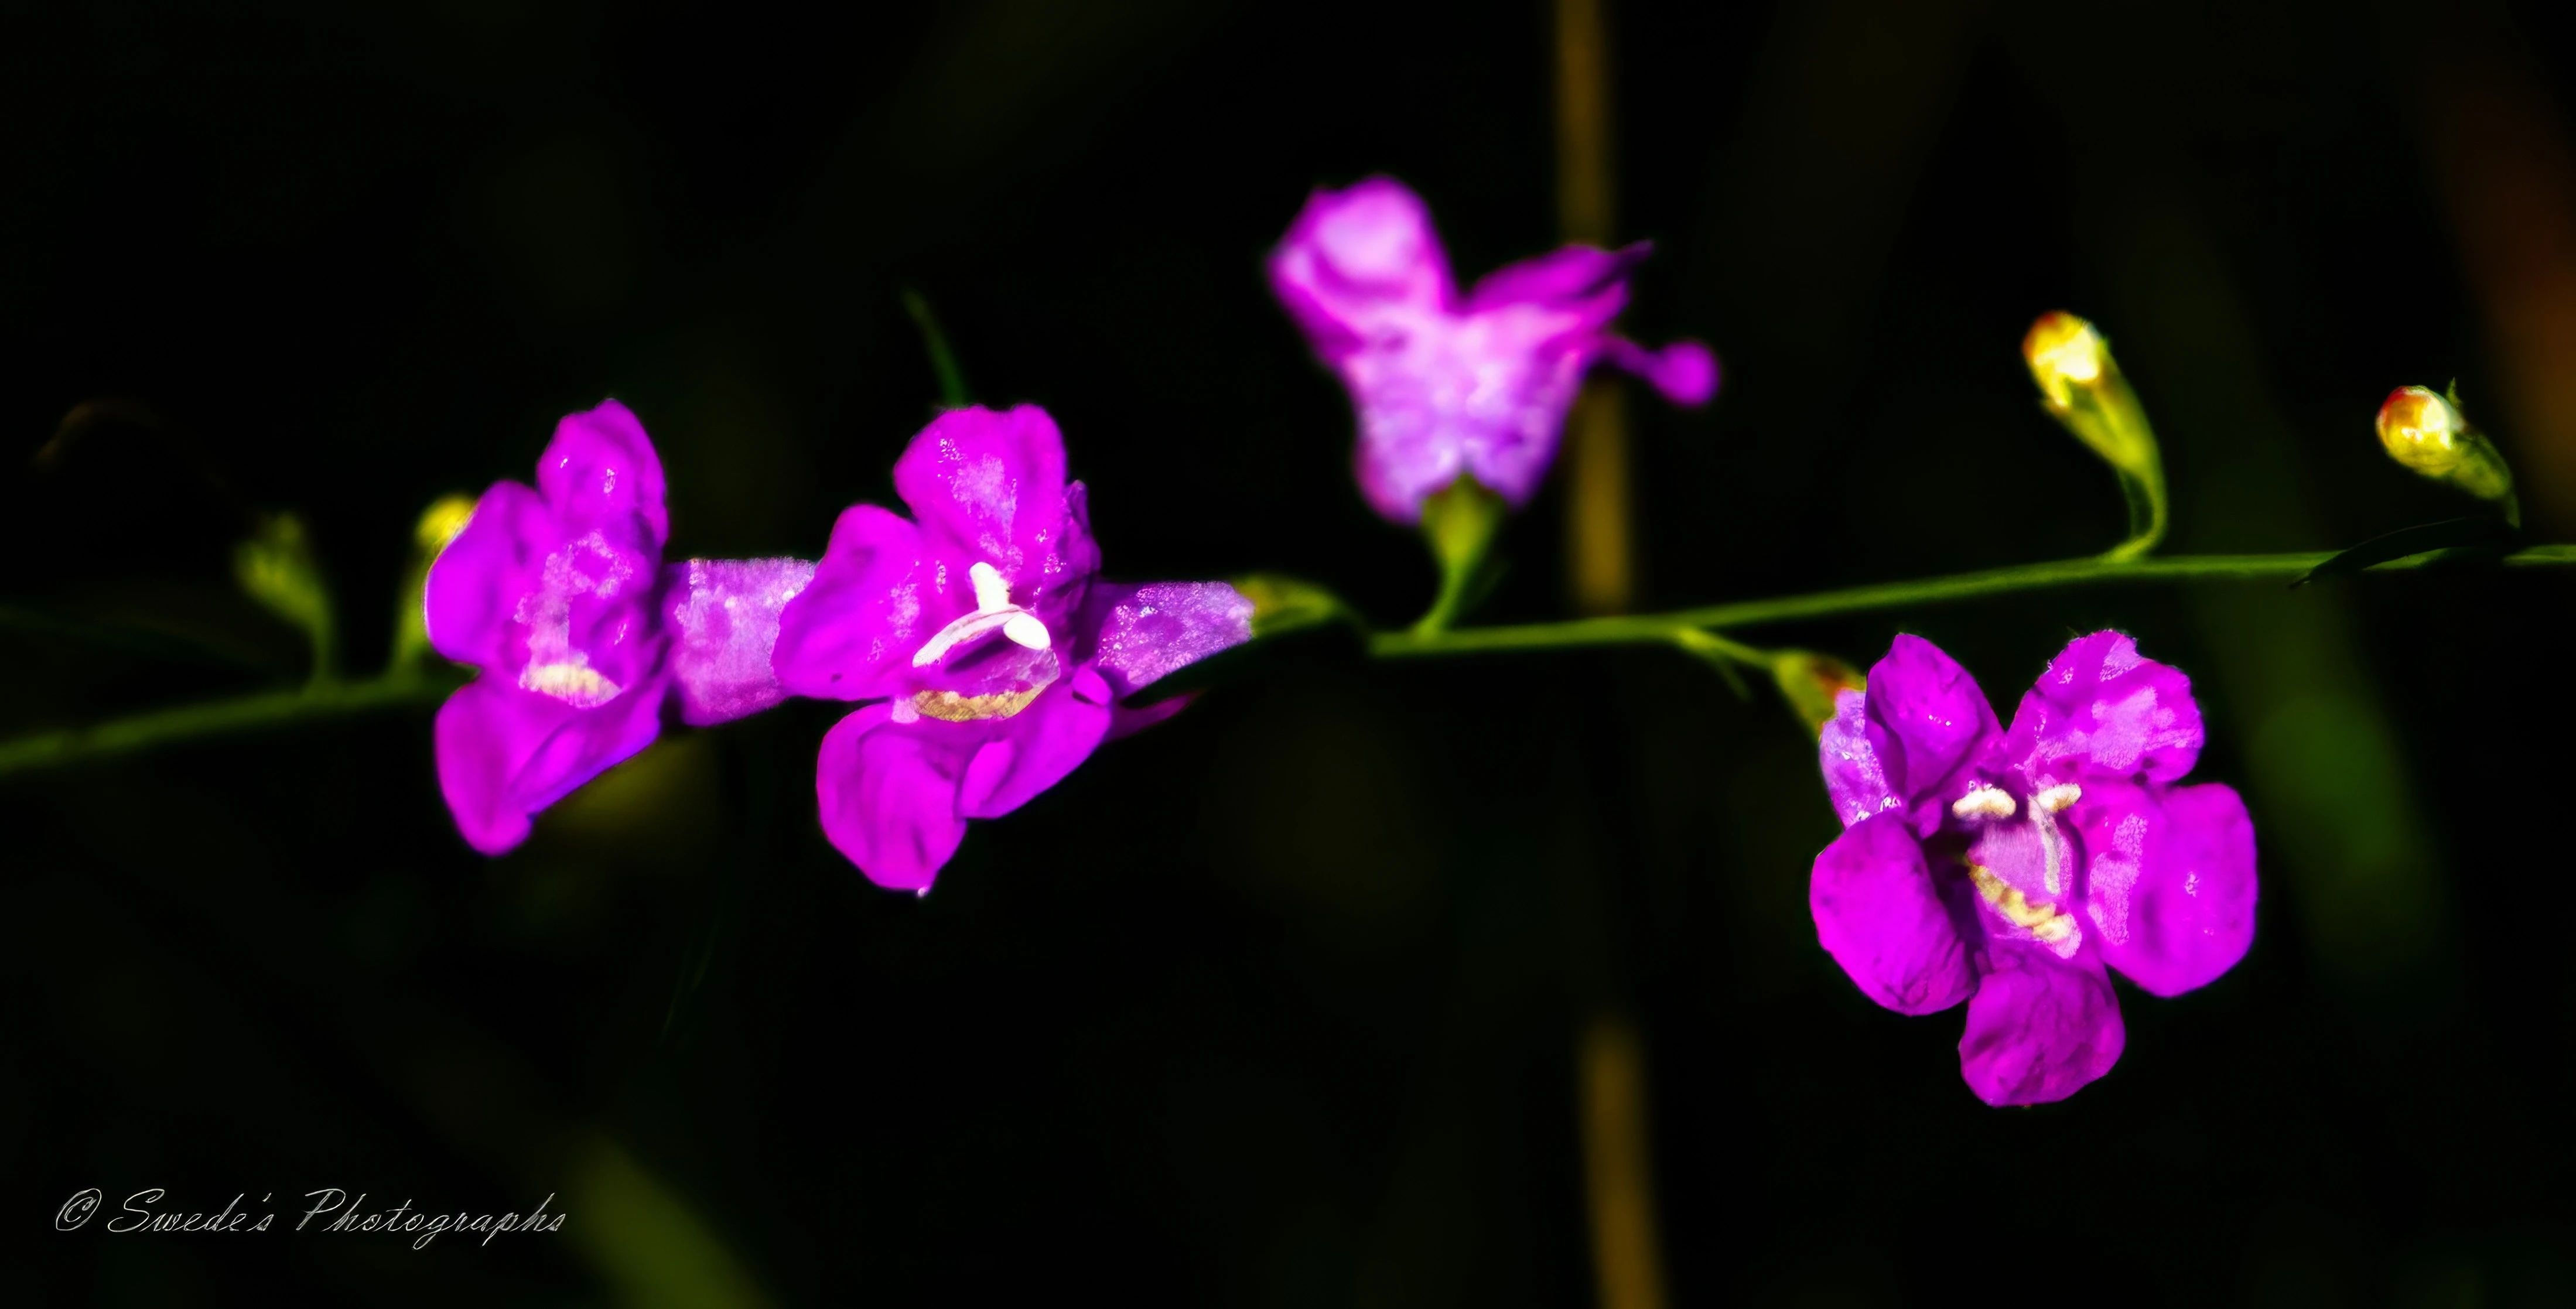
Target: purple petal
{"type": "Point", "coordinates": [1587, 285]}
{"type": "Point", "coordinates": [1034, 749]}
{"type": "Point", "coordinates": [1684, 371]}
{"type": "Point", "coordinates": [724, 618]}
{"type": "Point", "coordinates": [992, 484]}
{"type": "Point", "coordinates": [888, 795]}
{"type": "Point", "coordinates": [2103, 709]}
{"type": "Point", "coordinates": [873, 599]}
{"type": "Point", "coordinates": [504, 754]}
{"type": "Point", "coordinates": [1928, 719]}
{"type": "Point", "coordinates": [2040, 1027]}
{"type": "Point", "coordinates": [1854, 779]}
{"type": "Point", "coordinates": [474, 585]}
{"type": "Point", "coordinates": [1403, 458]}
{"type": "Point", "coordinates": [600, 471]}
{"type": "Point", "coordinates": [558, 588]}
{"type": "Point", "coordinates": [1150, 630]}
{"type": "Point", "coordinates": [2172, 884]}
{"type": "Point", "coordinates": [1354, 257]}
{"type": "Point", "coordinates": [1880, 916]}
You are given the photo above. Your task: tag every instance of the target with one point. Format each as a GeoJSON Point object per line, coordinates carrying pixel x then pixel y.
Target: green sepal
{"type": "Point", "coordinates": [1458, 524]}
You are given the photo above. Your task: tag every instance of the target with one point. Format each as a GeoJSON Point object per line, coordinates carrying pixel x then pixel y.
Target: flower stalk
{"type": "Point", "coordinates": [2080, 385]}
{"type": "Point", "coordinates": [1659, 629]}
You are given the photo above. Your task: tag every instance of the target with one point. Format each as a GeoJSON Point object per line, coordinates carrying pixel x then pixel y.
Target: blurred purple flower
{"type": "Point", "coordinates": [1446, 386]}
{"type": "Point", "coordinates": [2007, 867]}
{"type": "Point", "coordinates": [557, 594]}
{"type": "Point", "coordinates": [996, 659]}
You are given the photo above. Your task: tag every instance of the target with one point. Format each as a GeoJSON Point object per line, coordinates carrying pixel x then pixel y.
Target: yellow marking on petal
{"type": "Point", "coordinates": [948, 706]}
{"type": "Point", "coordinates": [2040, 920]}
{"type": "Point", "coordinates": [2055, 799]}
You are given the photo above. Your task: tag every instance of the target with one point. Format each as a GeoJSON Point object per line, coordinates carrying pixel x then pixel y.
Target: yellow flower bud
{"type": "Point", "coordinates": [1809, 682]}
{"type": "Point", "coordinates": [2430, 435]}
{"type": "Point", "coordinates": [2064, 353]}
{"type": "Point", "coordinates": [276, 568]}
{"type": "Point", "coordinates": [437, 528]}
{"type": "Point", "coordinates": [2081, 387]}
{"type": "Point", "coordinates": [440, 523]}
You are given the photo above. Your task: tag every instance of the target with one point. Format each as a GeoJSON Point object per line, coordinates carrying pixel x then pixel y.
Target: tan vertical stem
{"type": "Point", "coordinates": [1583, 204]}
{"type": "Point", "coordinates": [1600, 575]}
{"type": "Point", "coordinates": [1599, 568]}
{"type": "Point", "coordinates": [1626, 1257]}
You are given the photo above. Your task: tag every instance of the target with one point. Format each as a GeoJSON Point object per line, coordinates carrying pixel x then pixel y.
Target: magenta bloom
{"type": "Point", "coordinates": [995, 657]}
{"type": "Point", "coordinates": [557, 594]}
{"type": "Point", "coordinates": [1446, 386]}
{"type": "Point", "coordinates": [2007, 867]}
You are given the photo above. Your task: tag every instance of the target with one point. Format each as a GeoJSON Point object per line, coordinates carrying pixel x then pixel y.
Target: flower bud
{"type": "Point", "coordinates": [438, 525]}
{"type": "Point", "coordinates": [2081, 387]}
{"type": "Point", "coordinates": [1809, 682]}
{"type": "Point", "coordinates": [2429, 434]}
{"type": "Point", "coordinates": [276, 568]}
{"type": "Point", "coordinates": [2064, 353]}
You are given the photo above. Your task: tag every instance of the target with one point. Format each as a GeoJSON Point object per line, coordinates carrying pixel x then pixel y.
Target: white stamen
{"type": "Point", "coordinates": [1025, 628]}
{"type": "Point", "coordinates": [2057, 797]}
{"type": "Point", "coordinates": [572, 681]}
{"type": "Point", "coordinates": [1984, 802]}
{"type": "Point", "coordinates": [991, 592]}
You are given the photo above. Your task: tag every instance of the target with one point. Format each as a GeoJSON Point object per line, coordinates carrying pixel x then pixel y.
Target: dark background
{"type": "Point", "coordinates": [1276, 1004]}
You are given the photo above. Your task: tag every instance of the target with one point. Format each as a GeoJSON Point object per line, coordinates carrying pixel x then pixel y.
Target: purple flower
{"type": "Point", "coordinates": [557, 594]}
{"type": "Point", "coordinates": [1445, 386]}
{"type": "Point", "coordinates": [2007, 867]}
{"type": "Point", "coordinates": [995, 658]}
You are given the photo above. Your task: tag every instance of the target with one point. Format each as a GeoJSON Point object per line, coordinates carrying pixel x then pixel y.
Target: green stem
{"type": "Point", "coordinates": [1660, 629]}
{"type": "Point", "coordinates": [1688, 629]}
{"type": "Point", "coordinates": [320, 700]}
{"type": "Point", "coordinates": [943, 361]}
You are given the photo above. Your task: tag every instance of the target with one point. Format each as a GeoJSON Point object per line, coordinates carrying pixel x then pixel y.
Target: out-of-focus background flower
{"type": "Point", "coordinates": [1277, 1004]}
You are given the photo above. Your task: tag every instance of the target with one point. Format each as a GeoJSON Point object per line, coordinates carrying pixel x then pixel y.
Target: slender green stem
{"type": "Point", "coordinates": [943, 361]}
{"type": "Point", "coordinates": [320, 700]}
{"type": "Point", "coordinates": [1660, 629]}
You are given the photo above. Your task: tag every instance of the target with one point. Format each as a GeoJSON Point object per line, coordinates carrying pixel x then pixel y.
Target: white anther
{"type": "Point", "coordinates": [572, 681]}
{"type": "Point", "coordinates": [1984, 802]}
{"type": "Point", "coordinates": [991, 592]}
{"type": "Point", "coordinates": [2056, 798]}
{"type": "Point", "coordinates": [1028, 630]}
